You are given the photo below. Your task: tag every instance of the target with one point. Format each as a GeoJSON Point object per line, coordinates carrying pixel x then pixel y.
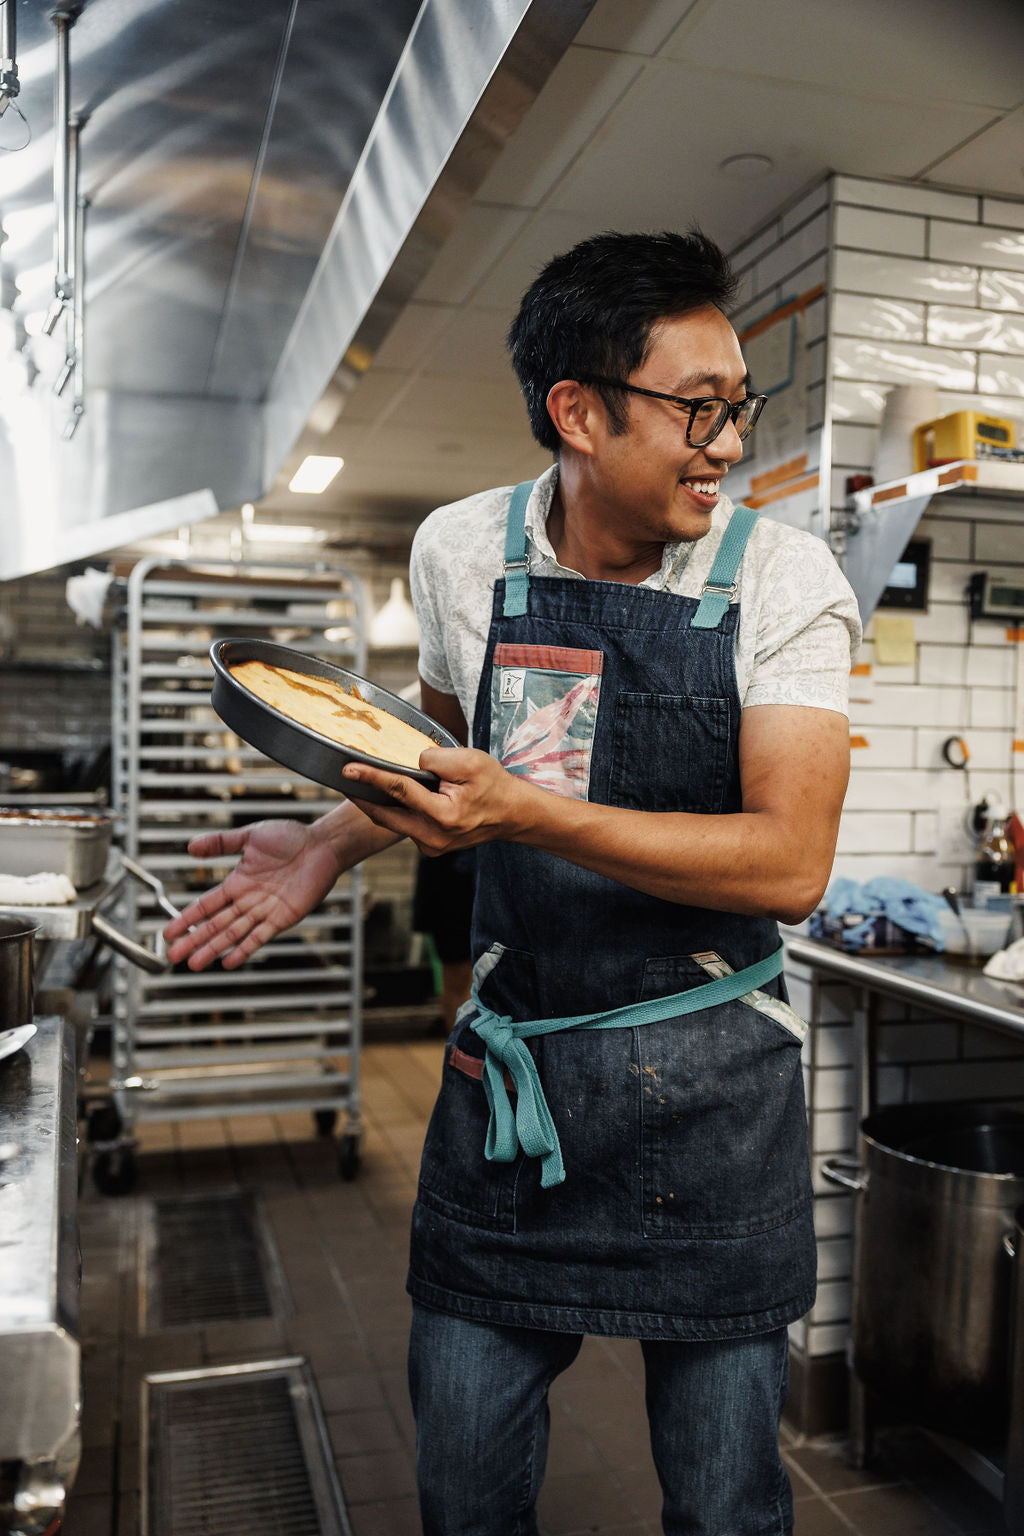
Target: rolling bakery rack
{"type": "Point", "coordinates": [283, 1032]}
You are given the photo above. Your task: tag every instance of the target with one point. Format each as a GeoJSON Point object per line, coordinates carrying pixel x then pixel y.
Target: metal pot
{"type": "Point", "coordinates": [931, 1314]}
{"type": "Point", "coordinates": [16, 974]}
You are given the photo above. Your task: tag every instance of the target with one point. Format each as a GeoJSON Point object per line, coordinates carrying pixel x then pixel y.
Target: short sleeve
{"type": "Point", "coordinates": [808, 631]}
{"type": "Point", "coordinates": [424, 588]}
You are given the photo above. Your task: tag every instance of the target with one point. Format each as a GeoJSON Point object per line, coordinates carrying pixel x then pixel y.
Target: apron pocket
{"type": "Point", "coordinates": [544, 701]}
{"type": "Point", "coordinates": [724, 1148]}
{"type": "Point", "coordinates": [670, 752]}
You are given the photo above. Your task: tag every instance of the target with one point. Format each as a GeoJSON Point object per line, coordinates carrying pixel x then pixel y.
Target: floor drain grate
{"type": "Point", "coordinates": [238, 1448]}
{"type": "Point", "coordinates": [209, 1259]}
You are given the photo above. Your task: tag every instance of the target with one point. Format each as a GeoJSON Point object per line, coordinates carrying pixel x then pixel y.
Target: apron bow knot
{"type": "Point", "coordinates": [531, 1126]}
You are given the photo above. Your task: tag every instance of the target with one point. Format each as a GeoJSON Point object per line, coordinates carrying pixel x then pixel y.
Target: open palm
{"type": "Point", "coordinates": [285, 870]}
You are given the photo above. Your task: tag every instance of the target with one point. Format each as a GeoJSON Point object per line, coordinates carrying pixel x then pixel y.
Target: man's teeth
{"type": "Point", "coordinates": [703, 487]}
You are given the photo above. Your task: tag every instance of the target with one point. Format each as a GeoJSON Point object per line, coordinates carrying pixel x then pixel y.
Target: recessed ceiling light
{"type": "Point", "coordinates": [314, 474]}
{"type": "Point", "coordinates": [747, 167]}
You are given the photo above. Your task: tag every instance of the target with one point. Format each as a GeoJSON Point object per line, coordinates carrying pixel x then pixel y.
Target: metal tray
{"type": "Point", "coordinates": [56, 841]}
{"type": "Point", "coordinates": [316, 757]}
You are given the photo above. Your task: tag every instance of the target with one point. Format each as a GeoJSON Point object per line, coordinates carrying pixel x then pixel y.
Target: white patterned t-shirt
{"type": "Point", "coordinates": [799, 626]}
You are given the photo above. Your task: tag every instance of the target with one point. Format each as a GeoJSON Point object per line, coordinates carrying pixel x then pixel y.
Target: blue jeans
{"type": "Point", "coordinates": [480, 1396]}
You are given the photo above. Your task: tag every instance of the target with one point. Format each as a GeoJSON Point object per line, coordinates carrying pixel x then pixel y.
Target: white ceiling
{"type": "Point", "coordinates": [629, 133]}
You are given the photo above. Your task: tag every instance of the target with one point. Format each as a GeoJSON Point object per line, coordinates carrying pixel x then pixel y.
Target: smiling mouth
{"type": "Point", "coordinates": [701, 487]}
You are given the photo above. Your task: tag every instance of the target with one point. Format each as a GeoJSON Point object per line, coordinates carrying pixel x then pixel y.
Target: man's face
{"type": "Point", "coordinates": [666, 489]}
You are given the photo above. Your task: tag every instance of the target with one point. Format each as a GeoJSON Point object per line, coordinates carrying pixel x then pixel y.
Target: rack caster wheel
{"type": "Point", "coordinates": [325, 1121]}
{"type": "Point", "coordinates": [115, 1172]}
{"type": "Point", "coordinates": [104, 1124]}
{"type": "Point", "coordinates": [348, 1157]}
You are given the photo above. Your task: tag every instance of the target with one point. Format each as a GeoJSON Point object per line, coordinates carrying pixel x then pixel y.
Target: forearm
{"type": "Point", "coordinates": [773, 857]}
{"type": "Point", "coordinates": [350, 836]}
{"type": "Point", "coordinates": [750, 862]}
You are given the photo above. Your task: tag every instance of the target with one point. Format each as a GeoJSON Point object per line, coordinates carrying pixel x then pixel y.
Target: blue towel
{"type": "Point", "coordinates": [905, 905]}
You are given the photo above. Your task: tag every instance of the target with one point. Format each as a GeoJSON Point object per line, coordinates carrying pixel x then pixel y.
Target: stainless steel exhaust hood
{"type": "Point", "coordinates": [266, 184]}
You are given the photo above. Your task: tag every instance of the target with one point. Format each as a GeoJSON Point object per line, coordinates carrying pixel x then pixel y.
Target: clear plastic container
{"type": "Point", "coordinates": [974, 935]}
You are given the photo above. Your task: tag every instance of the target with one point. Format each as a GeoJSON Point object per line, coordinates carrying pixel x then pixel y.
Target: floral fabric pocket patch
{"type": "Point", "coordinates": [544, 701]}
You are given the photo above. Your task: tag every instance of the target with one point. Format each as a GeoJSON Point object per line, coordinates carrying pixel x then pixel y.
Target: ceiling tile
{"type": "Point", "coordinates": [545, 236]}
{"type": "Point", "coordinates": [568, 112]}
{"type": "Point", "coordinates": [469, 253]}
{"type": "Point", "coordinates": [941, 52]}
{"type": "Point", "coordinates": [413, 334]}
{"type": "Point", "coordinates": [805, 131]}
{"type": "Point", "coordinates": [474, 347]}
{"type": "Point", "coordinates": [369, 400]}
{"type": "Point", "coordinates": [453, 406]}
{"type": "Point", "coordinates": [640, 27]}
{"type": "Point", "coordinates": [992, 162]}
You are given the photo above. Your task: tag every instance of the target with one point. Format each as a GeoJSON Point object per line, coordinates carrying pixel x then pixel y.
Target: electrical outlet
{"type": "Point", "coordinates": [955, 844]}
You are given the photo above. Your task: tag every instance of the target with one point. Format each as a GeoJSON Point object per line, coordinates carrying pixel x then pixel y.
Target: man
{"type": "Point", "coordinates": [656, 685]}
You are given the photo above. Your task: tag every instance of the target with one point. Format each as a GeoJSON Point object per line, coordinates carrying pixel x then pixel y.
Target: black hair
{"type": "Point", "coordinates": [592, 310]}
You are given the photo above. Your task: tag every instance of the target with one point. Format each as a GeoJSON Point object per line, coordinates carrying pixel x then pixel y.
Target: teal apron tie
{"type": "Point", "coordinates": [531, 1126]}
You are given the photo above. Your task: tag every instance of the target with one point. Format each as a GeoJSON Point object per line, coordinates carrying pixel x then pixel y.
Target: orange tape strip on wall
{"type": "Point", "coordinates": [782, 313]}
{"type": "Point", "coordinates": [772, 477]}
{"type": "Point", "coordinates": [791, 489]}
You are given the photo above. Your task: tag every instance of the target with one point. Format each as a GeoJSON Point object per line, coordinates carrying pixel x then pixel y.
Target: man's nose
{"type": "Point", "coordinates": [728, 445]}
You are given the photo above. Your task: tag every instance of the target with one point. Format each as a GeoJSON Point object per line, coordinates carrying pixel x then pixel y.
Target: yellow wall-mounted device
{"type": "Point", "coordinates": [962, 435]}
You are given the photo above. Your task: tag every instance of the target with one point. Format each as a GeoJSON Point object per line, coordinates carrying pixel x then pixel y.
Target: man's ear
{"type": "Point", "coordinates": [576, 413]}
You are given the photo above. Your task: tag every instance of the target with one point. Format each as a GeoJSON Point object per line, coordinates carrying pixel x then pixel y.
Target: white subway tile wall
{"type": "Point", "coordinates": [974, 243]}
{"type": "Point", "coordinates": [861, 314]}
{"type": "Point", "coordinates": [786, 259]}
{"type": "Point", "coordinates": [906, 363]}
{"type": "Point", "coordinates": [999, 376]}
{"type": "Point", "coordinates": [895, 276]}
{"type": "Point", "coordinates": [988, 330]}
{"type": "Point", "coordinates": [896, 234]}
{"type": "Point", "coordinates": [925, 286]}
{"type": "Point", "coordinates": [994, 211]}
{"type": "Point", "coordinates": [903, 198]}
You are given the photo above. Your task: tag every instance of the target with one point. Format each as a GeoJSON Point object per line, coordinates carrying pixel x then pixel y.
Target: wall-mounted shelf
{"type": "Point", "coordinates": [882, 518]}
{"type": "Point", "coordinates": [987, 476]}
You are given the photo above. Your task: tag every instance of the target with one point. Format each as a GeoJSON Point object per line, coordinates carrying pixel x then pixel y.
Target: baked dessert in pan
{"type": "Point", "coordinates": [314, 717]}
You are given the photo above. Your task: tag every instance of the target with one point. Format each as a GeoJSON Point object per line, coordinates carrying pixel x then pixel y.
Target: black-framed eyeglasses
{"type": "Point", "coordinates": [708, 415]}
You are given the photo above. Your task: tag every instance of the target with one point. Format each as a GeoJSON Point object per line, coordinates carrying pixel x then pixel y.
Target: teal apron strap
{"type": "Point", "coordinates": [720, 586]}
{"type": "Point", "coordinates": [517, 561]}
{"type": "Point", "coordinates": [531, 1126]}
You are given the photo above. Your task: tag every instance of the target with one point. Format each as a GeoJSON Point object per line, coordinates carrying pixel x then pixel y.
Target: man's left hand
{"type": "Point", "coordinates": [477, 801]}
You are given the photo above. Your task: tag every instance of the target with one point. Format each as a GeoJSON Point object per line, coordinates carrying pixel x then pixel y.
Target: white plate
{"type": "Point", "coordinates": [12, 1040]}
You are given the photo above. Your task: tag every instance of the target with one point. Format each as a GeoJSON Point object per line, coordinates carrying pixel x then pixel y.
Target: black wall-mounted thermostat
{"type": "Point", "coordinates": [993, 597]}
{"type": "Point", "coordinates": [907, 586]}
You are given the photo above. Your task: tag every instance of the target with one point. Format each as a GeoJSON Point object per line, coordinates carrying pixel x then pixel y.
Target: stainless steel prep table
{"type": "Point", "coordinates": [960, 991]}
{"type": "Point", "coordinates": [39, 1278]}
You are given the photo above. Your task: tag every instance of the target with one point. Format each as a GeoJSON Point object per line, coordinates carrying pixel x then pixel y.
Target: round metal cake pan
{"type": "Point", "coordinates": [294, 745]}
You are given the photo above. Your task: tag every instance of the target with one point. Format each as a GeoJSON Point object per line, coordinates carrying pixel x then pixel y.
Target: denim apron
{"type": "Point", "coordinates": [679, 1123]}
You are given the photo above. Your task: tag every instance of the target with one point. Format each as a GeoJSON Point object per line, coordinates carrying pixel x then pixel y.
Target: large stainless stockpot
{"type": "Point", "coordinates": [937, 1197]}
{"type": "Point", "coordinates": [16, 972]}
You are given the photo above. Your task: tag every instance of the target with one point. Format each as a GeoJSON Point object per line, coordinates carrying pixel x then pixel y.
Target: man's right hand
{"type": "Point", "coordinates": [285, 870]}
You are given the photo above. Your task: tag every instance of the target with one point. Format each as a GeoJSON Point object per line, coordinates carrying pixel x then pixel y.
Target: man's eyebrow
{"type": "Point", "coordinates": [704, 378]}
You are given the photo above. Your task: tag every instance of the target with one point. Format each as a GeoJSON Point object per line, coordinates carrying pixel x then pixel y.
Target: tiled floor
{"type": "Point", "coordinates": [343, 1248]}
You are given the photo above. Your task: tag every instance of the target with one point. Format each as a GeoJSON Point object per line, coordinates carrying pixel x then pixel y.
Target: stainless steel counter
{"type": "Point", "coordinates": [39, 1277]}
{"type": "Point", "coordinates": [952, 990]}
{"type": "Point", "coordinates": [927, 980]}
